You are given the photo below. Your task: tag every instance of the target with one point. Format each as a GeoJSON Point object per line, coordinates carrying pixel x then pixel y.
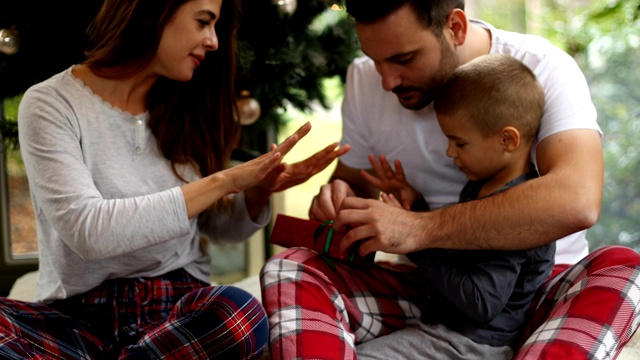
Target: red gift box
{"type": "Point", "coordinates": [321, 237]}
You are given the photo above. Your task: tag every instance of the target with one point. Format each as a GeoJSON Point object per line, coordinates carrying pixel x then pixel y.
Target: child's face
{"type": "Point", "coordinates": [478, 156]}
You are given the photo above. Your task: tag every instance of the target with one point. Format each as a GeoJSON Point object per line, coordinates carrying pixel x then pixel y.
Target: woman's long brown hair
{"type": "Point", "coordinates": [194, 121]}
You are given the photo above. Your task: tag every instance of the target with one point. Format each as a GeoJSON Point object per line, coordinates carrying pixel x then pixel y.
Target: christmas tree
{"type": "Point", "coordinates": [284, 53]}
{"type": "Point", "coordinates": [285, 50]}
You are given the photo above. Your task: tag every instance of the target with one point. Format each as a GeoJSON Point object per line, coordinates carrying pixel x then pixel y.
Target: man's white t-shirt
{"type": "Point", "coordinates": [374, 122]}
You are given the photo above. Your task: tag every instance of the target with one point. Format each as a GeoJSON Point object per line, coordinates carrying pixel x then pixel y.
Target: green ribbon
{"type": "Point", "coordinates": [327, 243]}
{"type": "Point", "coordinates": [318, 232]}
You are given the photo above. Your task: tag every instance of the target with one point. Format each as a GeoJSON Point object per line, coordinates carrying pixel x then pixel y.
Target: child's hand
{"type": "Point", "coordinates": [391, 182]}
{"type": "Point", "coordinates": [390, 199]}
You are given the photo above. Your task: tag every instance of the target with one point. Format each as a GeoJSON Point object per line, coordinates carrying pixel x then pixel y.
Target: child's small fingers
{"type": "Point", "coordinates": [399, 169]}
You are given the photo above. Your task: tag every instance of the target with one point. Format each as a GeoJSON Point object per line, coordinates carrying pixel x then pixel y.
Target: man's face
{"type": "Point", "coordinates": [411, 59]}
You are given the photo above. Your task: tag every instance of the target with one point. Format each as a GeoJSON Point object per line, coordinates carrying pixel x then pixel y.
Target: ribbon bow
{"type": "Point", "coordinates": [327, 243]}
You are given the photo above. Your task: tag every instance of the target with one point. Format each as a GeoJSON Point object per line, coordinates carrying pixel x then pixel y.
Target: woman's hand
{"type": "Point", "coordinates": [249, 176]}
{"type": "Point", "coordinates": [284, 175]}
{"type": "Point", "coordinates": [199, 195]}
{"type": "Point", "coordinates": [288, 175]}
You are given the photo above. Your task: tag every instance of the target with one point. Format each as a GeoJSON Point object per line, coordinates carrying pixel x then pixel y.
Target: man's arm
{"type": "Point", "coordinates": [566, 198]}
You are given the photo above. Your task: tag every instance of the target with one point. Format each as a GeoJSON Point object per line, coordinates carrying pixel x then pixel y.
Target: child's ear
{"type": "Point", "coordinates": [509, 138]}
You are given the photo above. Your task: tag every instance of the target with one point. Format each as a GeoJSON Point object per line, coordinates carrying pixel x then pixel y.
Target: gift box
{"type": "Point", "coordinates": [321, 237]}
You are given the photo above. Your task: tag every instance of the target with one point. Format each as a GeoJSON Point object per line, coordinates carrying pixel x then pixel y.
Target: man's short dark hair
{"type": "Point", "coordinates": [433, 14]}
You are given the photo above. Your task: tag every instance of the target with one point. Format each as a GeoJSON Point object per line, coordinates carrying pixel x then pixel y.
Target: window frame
{"type": "Point", "coordinates": [12, 266]}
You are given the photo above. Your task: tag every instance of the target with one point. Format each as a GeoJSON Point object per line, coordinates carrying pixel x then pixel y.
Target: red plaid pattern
{"type": "Point", "coordinates": [214, 322]}
{"type": "Point", "coordinates": [320, 311]}
{"type": "Point", "coordinates": [590, 310]}
{"type": "Point", "coordinates": [173, 316]}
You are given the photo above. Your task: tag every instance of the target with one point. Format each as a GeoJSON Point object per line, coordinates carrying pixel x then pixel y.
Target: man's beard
{"type": "Point", "coordinates": [448, 64]}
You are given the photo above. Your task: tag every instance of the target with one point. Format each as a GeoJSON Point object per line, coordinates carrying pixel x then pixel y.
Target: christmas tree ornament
{"type": "Point", "coordinates": [285, 7]}
{"type": "Point", "coordinates": [248, 108]}
{"type": "Point", "coordinates": [9, 41]}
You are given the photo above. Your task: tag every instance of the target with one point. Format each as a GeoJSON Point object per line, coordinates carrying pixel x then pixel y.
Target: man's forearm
{"type": "Point", "coordinates": [511, 220]}
{"type": "Point", "coordinates": [565, 199]}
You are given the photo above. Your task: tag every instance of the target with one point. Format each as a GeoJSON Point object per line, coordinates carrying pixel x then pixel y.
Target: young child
{"type": "Point", "coordinates": [490, 110]}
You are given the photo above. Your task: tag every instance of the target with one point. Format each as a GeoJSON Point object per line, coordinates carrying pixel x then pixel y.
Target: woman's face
{"type": "Point", "coordinates": [186, 39]}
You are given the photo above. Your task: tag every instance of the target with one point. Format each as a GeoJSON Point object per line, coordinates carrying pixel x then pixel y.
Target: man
{"type": "Point", "coordinates": [412, 46]}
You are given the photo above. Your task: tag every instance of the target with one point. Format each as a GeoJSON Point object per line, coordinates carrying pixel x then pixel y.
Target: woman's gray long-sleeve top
{"type": "Point", "coordinates": [107, 203]}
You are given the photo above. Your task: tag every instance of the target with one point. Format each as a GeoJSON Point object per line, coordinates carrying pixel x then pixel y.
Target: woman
{"type": "Point", "coordinates": [126, 156]}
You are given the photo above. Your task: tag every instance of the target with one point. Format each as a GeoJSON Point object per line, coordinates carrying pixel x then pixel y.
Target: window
{"type": "Point", "coordinates": [17, 224]}
{"type": "Point", "coordinates": [604, 38]}
{"type": "Point", "coordinates": [22, 228]}
{"type": "Point", "coordinates": [20, 225]}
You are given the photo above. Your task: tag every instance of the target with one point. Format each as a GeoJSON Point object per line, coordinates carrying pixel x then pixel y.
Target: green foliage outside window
{"type": "Point", "coordinates": [604, 38]}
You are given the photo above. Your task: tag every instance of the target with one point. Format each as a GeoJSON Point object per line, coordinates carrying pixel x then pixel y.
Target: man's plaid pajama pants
{"type": "Point", "coordinates": [319, 310]}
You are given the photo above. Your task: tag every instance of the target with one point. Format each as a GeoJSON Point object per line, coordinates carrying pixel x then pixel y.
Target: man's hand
{"type": "Point", "coordinates": [325, 205]}
{"type": "Point", "coordinates": [379, 227]}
